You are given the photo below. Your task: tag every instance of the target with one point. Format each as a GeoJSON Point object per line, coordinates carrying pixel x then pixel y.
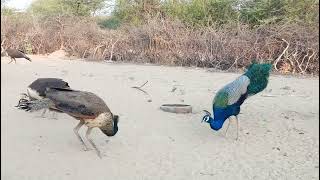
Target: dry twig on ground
{"type": "Point", "coordinates": [139, 87]}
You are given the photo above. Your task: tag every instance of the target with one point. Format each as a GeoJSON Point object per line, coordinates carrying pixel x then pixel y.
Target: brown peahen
{"type": "Point", "coordinates": [14, 53]}
{"type": "Point", "coordinates": [87, 107]}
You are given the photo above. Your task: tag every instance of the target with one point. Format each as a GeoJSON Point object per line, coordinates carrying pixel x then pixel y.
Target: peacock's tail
{"type": "Point", "coordinates": [258, 75]}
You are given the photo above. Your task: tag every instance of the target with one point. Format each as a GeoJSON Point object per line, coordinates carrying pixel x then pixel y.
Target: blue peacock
{"type": "Point", "coordinates": [228, 100]}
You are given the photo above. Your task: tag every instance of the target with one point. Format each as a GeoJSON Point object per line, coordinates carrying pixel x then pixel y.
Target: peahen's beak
{"type": "Point", "coordinates": [24, 95]}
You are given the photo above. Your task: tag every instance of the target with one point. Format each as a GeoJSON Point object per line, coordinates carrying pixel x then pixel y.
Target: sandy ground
{"type": "Point", "coordinates": [279, 136]}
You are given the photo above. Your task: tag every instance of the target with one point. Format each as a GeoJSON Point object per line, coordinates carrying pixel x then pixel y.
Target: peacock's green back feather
{"type": "Point", "coordinates": [258, 75]}
{"type": "Point", "coordinates": [221, 99]}
{"type": "Point", "coordinates": [231, 92]}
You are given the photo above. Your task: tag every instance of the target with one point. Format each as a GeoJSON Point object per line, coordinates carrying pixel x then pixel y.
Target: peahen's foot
{"type": "Point", "coordinates": [54, 116]}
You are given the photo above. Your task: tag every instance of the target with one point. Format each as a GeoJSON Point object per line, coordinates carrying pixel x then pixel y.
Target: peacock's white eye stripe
{"type": "Point", "coordinates": [206, 118]}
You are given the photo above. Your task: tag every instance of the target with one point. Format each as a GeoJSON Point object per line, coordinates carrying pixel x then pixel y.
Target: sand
{"type": "Point", "coordinates": [279, 128]}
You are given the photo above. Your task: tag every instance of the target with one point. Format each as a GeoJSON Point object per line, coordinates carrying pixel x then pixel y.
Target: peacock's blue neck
{"type": "Point", "coordinates": [221, 114]}
{"type": "Point", "coordinates": [216, 124]}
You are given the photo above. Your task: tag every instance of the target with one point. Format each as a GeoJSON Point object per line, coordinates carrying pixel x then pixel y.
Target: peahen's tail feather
{"type": "Point", "coordinates": [27, 58]}
{"type": "Point", "coordinates": [258, 75]}
{"type": "Point", "coordinates": [34, 105]}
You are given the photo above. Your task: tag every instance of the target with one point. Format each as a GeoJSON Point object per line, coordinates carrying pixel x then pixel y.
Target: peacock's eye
{"type": "Point", "coordinates": [206, 118]}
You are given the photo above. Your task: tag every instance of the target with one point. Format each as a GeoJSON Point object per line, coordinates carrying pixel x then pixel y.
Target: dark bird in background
{"type": "Point", "coordinates": [13, 53]}
{"type": "Point", "coordinates": [86, 107]}
{"type": "Point", "coordinates": [228, 100]}
{"type": "Point", "coordinates": [36, 90]}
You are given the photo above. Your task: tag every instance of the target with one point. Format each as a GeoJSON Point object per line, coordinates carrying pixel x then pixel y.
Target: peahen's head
{"type": "Point", "coordinates": [111, 130]}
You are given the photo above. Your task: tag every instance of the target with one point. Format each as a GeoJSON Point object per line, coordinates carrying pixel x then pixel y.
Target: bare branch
{"type": "Point", "coordinates": [112, 47]}
{"type": "Point", "coordinates": [313, 53]}
{"type": "Point", "coordinates": [96, 49]}
{"type": "Point", "coordinates": [2, 48]}
{"type": "Point", "coordinates": [278, 59]}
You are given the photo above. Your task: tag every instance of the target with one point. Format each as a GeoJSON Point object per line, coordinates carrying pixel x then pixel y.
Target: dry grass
{"type": "Point", "coordinates": [292, 48]}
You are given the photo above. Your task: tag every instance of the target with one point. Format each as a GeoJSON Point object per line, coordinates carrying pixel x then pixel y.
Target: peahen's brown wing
{"type": "Point", "coordinates": [15, 53]}
{"type": "Point", "coordinates": [79, 104]}
{"type": "Point", "coordinates": [41, 84]}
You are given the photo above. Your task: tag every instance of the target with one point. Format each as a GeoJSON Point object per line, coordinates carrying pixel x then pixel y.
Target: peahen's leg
{"type": "Point", "coordinates": [43, 112]}
{"type": "Point", "coordinates": [237, 127]}
{"type": "Point", "coordinates": [11, 60]}
{"type": "Point", "coordinates": [76, 132]}
{"type": "Point", "coordinates": [229, 119]}
{"type": "Point", "coordinates": [54, 115]}
{"type": "Point", "coordinates": [92, 143]}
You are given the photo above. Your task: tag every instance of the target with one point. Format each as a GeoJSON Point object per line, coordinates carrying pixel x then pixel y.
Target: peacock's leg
{"type": "Point", "coordinates": [227, 126]}
{"type": "Point", "coordinates": [237, 127]}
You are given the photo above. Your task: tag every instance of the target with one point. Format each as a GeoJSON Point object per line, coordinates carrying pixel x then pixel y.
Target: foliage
{"type": "Point", "coordinates": [136, 12]}
{"type": "Point", "coordinates": [306, 11]}
{"type": "Point", "coordinates": [109, 23]}
{"type": "Point", "coordinates": [203, 12]}
{"type": "Point", "coordinates": [45, 8]}
{"type": "Point", "coordinates": [260, 12]}
{"type": "Point", "coordinates": [256, 12]}
{"type": "Point", "coordinates": [8, 11]}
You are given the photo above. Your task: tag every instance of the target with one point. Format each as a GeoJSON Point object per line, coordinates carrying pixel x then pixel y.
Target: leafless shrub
{"type": "Point", "coordinates": [292, 48]}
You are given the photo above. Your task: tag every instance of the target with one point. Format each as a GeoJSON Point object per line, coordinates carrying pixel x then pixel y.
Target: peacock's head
{"type": "Point", "coordinates": [207, 117]}
{"type": "Point", "coordinates": [214, 123]}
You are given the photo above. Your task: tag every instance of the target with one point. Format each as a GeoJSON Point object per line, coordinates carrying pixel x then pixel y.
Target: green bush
{"type": "Point", "coordinates": [203, 12]}
{"type": "Point", "coordinates": [261, 12]}
{"type": "Point", "coordinates": [48, 8]}
{"type": "Point", "coordinates": [109, 23]}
